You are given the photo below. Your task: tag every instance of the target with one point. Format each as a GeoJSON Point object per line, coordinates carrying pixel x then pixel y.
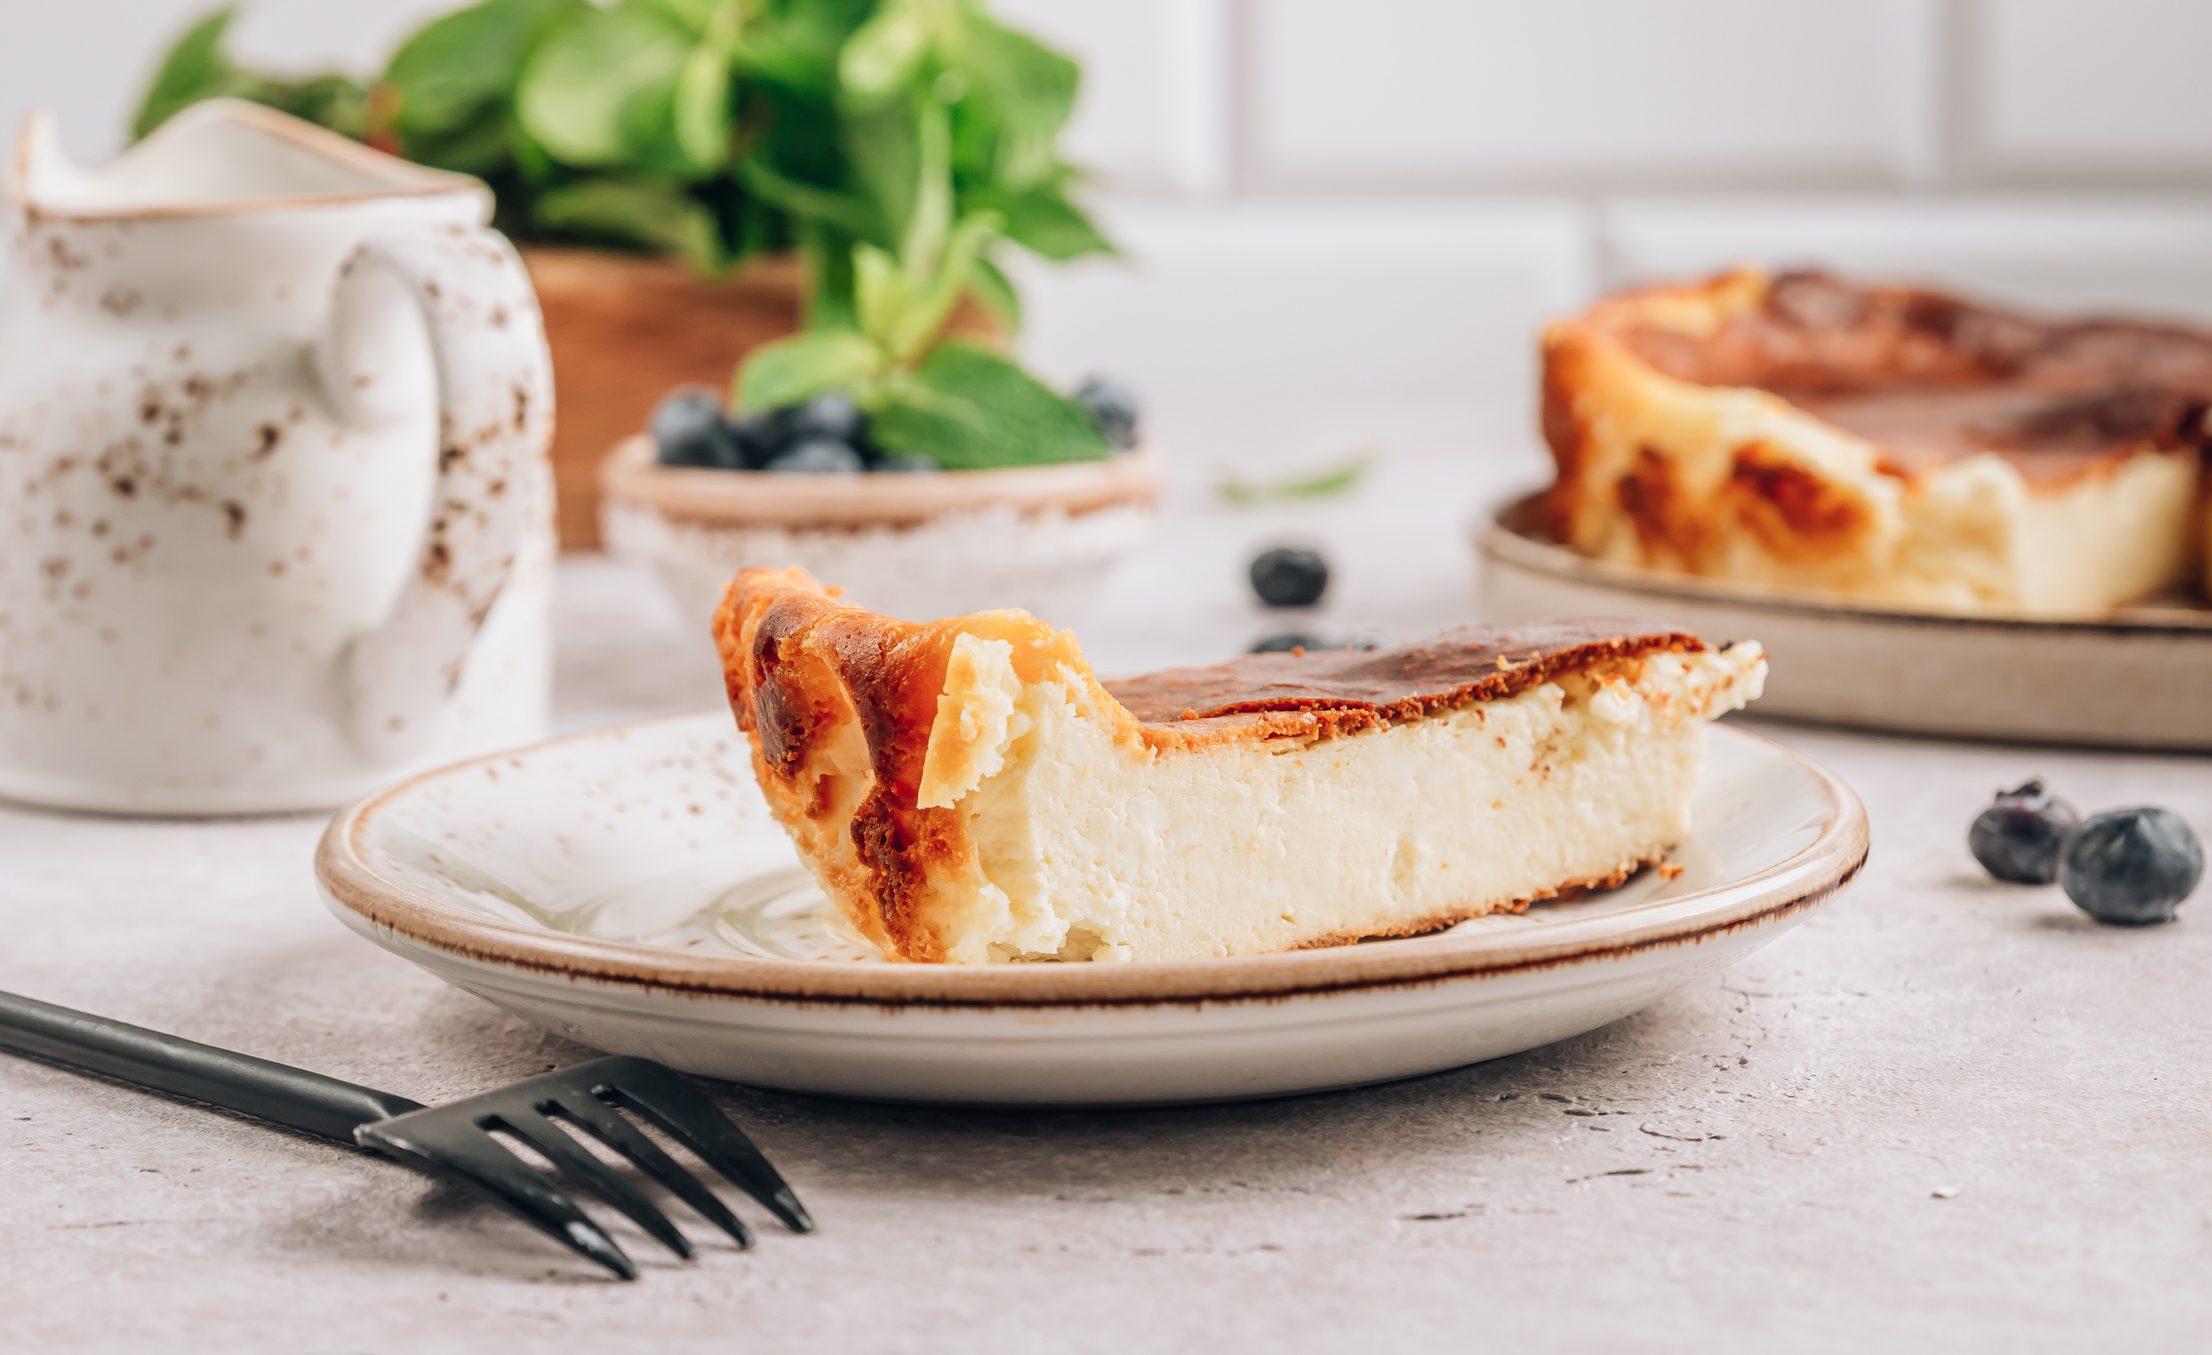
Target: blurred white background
{"type": "Point", "coordinates": [1339, 214]}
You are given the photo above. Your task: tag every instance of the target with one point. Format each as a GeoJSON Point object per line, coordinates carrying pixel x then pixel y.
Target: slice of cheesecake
{"type": "Point", "coordinates": [967, 790]}
{"type": "Point", "coordinates": [1891, 443]}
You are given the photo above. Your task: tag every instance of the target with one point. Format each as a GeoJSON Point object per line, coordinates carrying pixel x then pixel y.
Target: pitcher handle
{"type": "Point", "coordinates": [465, 291]}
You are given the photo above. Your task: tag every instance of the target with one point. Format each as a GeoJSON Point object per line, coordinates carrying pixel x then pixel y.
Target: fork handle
{"type": "Point", "coordinates": [147, 1058]}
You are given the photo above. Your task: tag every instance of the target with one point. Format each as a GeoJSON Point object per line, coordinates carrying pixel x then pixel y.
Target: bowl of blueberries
{"type": "Point", "coordinates": [706, 491]}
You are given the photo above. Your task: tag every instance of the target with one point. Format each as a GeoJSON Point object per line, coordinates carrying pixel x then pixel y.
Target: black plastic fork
{"type": "Point", "coordinates": [456, 1140]}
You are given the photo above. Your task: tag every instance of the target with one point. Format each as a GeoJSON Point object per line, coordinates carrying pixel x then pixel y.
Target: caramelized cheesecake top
{"type": "Point", "coordinates": [792, 654]}
{"type": "Point", "coordinates": [1930, 377]}
{"type": "Point", "coordinates": [1391, 684]}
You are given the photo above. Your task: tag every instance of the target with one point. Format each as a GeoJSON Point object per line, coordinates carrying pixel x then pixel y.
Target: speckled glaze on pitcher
{"type": "Point", "coordinates": [277, 513]}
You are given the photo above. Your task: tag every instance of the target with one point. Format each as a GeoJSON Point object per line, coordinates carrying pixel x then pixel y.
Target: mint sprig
{"type": "Point", "coordinates": [1325, 483]}
{"type": "Point", "coordinates": [956, 403]}
{"type": "Point", "coordinates": [968, 408]}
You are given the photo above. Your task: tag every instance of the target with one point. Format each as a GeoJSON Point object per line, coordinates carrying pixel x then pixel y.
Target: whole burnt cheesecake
{"type": "Point", "coordinates": [1890, 443]}
{"type": "Point", "coordinates": [968, 790]}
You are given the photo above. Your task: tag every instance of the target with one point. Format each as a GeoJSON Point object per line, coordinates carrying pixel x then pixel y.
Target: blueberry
{"type": "Point", "coordinates": [688, 430]}
{"type": "Point", "coordinates": [2132, 867]}
{"type": "Point", "coordinates": [817, 456]}
{"type": "Point", "coordinates": [1285, 642]}
{"type": "Point", "coordinates": [832, 415]}
{"type": "Point", "coordinates": [2019, 836]}
{"type": "Point", "coordinates": [760, 435]}
{"type": "Point", "coordinates": [1114, 409]}
{"type": "Point", "coordinates": [1290, 577]}
{"type": "Point", "coordinates": [903, 463]}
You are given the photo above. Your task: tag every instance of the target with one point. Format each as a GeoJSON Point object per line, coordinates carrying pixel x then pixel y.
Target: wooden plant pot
{"type": "Point", "coordinates": [625, 330]}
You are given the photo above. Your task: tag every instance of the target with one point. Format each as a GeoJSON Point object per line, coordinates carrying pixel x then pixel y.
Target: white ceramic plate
{"type": "Point", "coordinates": [628, 889]}
{"type": "Point", "coordinates": [2135, 678]}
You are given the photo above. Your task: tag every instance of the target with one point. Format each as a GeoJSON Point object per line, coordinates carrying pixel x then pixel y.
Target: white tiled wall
{"type": "Point", "coordinates": [2086, 90]}
{"type": "Point", "coordinates": [1155, 108]}
{"type": "Point", "coordinates": [1581, 94]}
{"type": "Point", "coordinates": [1332, 207]}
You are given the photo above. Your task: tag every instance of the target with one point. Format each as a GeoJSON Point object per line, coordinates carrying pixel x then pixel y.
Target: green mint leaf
{"type": "Point", "coordinates": [884, 55]}
{"type": "Point", "coordinates": [968, 408]}
{"type": "Point", "coordinates": [703, 109]}
{"type": "Point", "coordinates": [334, 101]}
{"type": "Point", "coordinates": [449, 71]}
{"type": "Point", "coordinates": [532, 161]}
{"type": "Point", "coordinates": [926, 228]}
{"type": "Point", "coordinates": [829, 279]}
{"type": "Point", "coordinates": [831, 207]}
{"type": "Point", "coordinates": [928, 309]}
{"type": "Point", "coordinates": [995, 292]}
{"type": "Point", "coordinates": [194, 68]}
{"type": "Point", "coordinates": [596, 88]}
{"type": "Point", "coordinates": [881, 294]}
{"type": "Point", "coordinates": [197, 67]}
{"type": "Point", "coordinates": [1019, 94]}
{"type": "Point", "coordinates": [796, 369]}
{"type": "Point", "coordinates": [883, 146]}
{"type": "Point", "coordinates": [796, 46]}
{"type": "Point", "coordinates": [636, 214]}
{"type": "Point", "coordinates": [484, 146]}
{"type": "Point", "coordinates": [1042, 220]}
{"type": "Point", "coordinates": [1320, 484]}
{"type": "Point", "coordinates": [694, 15]}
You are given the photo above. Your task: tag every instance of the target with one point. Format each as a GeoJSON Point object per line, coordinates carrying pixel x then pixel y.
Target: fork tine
{"type": "Point", "coordinates": [692, 1119]}
{"type": "Point", "coordinates": [479, 1160]}
{"type": "Point", "coordinates": [594, 1176]}
{"type": "Point", "coordinates": [606, 1124]}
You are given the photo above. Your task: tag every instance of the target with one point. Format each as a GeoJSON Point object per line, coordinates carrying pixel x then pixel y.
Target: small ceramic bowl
{"type": "Point", "coordinates": [918, 546]}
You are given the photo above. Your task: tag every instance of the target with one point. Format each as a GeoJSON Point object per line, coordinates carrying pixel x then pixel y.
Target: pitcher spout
{"type": "Point", "coordinates": [216, 158]}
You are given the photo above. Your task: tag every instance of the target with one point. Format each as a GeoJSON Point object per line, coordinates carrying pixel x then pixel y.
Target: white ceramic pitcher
{"type": "Point", "coordinates": [275, 510]}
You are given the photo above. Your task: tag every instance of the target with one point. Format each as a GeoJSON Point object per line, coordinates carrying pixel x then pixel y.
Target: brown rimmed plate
{"type": "Point", "coordinates": [628, 889]}
{"type": "Point", "coordinates": [2141, 677]}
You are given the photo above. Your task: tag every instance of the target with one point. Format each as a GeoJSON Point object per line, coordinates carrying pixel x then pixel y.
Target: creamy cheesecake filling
{"type": "Point", "coordinates": [1087, 843]}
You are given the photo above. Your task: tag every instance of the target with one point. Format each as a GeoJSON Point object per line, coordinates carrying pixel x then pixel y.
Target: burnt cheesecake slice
{"type": "Point", "coordinates": [968, 790]}
{"type": "Point", "coordinates": [1891, 443]}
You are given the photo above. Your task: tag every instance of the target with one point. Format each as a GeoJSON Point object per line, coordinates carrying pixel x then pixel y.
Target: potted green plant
{"type": "Point", "coordinates": [692, 178]}
{"type": "Point", "coordinates": [925, 472]}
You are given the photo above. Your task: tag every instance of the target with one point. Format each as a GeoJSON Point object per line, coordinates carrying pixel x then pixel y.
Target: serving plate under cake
{"type": "Point", "coordinates": [629, 889]}
{"type": "Point", "coordinates": [2139, 676]}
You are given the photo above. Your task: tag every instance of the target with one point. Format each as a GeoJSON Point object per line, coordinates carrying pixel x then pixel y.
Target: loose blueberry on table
{"type": "Point", "coordinates": [2019, 836]}
{"type": "Point", "coordinates": [2131, 867]}
{"type": "Point", "coordinates": [1290, 576]}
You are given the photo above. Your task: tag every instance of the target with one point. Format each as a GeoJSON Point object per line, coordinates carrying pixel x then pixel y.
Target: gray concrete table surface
{"type": "Point", "coordinates": [1941, 1114]}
